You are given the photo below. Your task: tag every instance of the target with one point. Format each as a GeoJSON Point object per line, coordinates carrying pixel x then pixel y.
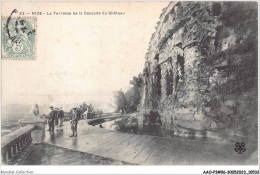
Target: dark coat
{"type": "Point", "coordinates": [60, 114]}
{"type": "Point", "coordinates": [55, 115]}
{"type": "Point", "coordinates": [51, 117]}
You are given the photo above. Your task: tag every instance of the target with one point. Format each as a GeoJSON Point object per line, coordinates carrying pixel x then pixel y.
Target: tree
{"type": "Point", "coordinates": [90, 108]}
{"type": "Point", "coordinates": [137, 81]}
{"type": "Point", "coordinates": [134, 95]}
{"type": "Point", "coordinates": [84, 107]}
{"type": "Point", "coordinates": [131, 99]}
{"type": "Point", "coordinates": [120, 101]}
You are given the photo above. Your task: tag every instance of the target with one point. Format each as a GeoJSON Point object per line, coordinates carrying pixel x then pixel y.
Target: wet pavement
{"type": "Point", "coordinates": [170, 132]}
{"type": "Point", "coordinates": [151, 150]}
{"type": "Point", "coordinates": [46, 154]}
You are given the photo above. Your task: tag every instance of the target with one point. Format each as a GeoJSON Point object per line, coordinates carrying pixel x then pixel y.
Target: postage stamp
{"type": "Point", "coordinates": [18, 38]}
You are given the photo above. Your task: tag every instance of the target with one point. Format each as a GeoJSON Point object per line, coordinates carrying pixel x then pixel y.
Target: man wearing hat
{"type": "Point", "coordinates": [74, 123]}
{"type": "Point", "coordinates": [51, 120]}
{"type": "Point", "coordinates": [56, 116]}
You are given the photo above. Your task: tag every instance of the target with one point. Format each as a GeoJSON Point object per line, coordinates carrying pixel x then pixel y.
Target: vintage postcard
{"type": "Point", "coordinates": [130, 83]}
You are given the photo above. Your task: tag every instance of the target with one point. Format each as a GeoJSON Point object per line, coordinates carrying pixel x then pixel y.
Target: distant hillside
{"type": "Point", "coordinates": [14, 112]}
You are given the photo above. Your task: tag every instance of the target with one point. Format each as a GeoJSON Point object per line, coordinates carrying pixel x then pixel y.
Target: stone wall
{"type": "Point", "coordinates": [201, 67]}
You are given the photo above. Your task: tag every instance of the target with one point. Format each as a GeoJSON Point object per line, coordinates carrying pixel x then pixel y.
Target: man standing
{"type": "Point", "coordinates": [61, 116]}
{"type": "Point", "coordinates": [51, 118]}
{"type": "Point", "coordinates": [74, 123]}
{"type": "Point", "coordinates": [56, 116]}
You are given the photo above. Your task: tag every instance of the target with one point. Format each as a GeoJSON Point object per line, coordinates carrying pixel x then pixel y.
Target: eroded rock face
{"type": "Point", "coordinates": [201, 67]}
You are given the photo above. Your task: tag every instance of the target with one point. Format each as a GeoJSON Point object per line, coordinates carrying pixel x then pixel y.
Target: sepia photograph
{"type": "Point", "coordinates": [129, 83]}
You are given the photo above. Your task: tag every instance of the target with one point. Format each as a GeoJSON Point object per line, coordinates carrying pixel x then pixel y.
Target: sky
{"type": "Point", "coordinates": [80, 58]}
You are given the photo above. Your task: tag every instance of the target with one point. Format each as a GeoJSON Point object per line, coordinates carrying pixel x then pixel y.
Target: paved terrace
{"type": "Point", "coordinates": [149, 150]}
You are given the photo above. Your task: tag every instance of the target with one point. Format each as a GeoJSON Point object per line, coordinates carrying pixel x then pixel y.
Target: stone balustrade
{"type": "Point", "coordinates": [15, 143]}
{"type": "Point", "coordinates": [67, 117]}
{"type": "Point", "coordinates": [97, 121]}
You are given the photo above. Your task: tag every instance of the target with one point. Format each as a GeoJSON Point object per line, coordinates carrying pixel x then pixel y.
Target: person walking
{"type": "Point", "coordinates": [61, 116]}
{"type": "Point", "coordinates": [51, 118]}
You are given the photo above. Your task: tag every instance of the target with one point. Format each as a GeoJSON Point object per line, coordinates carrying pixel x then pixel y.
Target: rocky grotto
{"type": "Point", "coordinates": [201, 68]}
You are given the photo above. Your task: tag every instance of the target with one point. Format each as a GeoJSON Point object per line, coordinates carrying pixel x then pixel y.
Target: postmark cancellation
{"type": "Point", "coordinates": [18, 38]}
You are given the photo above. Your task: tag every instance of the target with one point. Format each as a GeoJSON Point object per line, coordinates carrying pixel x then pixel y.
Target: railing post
{"type": "Point", "coordinates": [14, 151]}
{"type": "Point", "coordinates": [9, 154]}
{"type": "Point", "coordinates": [27, 142]}
{"type": "Point", "coordinates": [30, 137]}
{"type": "Point", "coordinates": [18, 147]}
{"type": "Point", "coordinates": [4, 159]}
{"type": "Point", "coordinates": [22, 144]}
{"type": "Point", "coordinates": [27, 139]}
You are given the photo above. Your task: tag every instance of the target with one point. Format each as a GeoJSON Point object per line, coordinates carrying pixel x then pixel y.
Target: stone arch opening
{"type": "Point", "coordinates": [165, 18]}
{"type": "Point", "coordinates": [156, 57]}
{"type": "Point", "coordinates": [158, 80]}
{"type": "Point", "coordinates": [169, 81]}
{"type": "Point", "coordinates": [180, 70]}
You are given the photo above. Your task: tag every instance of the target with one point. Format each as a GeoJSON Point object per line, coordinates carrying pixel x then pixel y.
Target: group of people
{"type": "Point", "coordinates": [55, 117]}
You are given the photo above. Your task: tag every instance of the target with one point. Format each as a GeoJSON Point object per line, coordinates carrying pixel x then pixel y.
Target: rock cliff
{"type": "Point", "coordinates": [201, 67]}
